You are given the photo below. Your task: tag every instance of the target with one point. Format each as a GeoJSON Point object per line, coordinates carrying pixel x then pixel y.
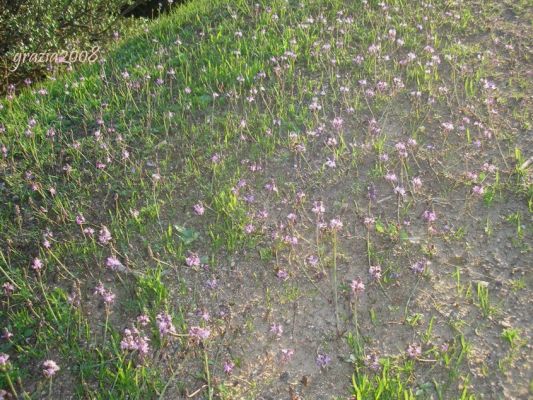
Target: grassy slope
{"type": "Point", "coordinates": [170, 135]}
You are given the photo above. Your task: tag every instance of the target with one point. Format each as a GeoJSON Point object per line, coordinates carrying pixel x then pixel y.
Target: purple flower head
{"type": "Point", "coordinates": [142, 345]}
{"type": "Point", "coordinates": [417, 183]}
{"type": "Point", "coordinates": [369, 222]}
{"type": "Point", "coordinates": [478, 190]}
{"type": "Point", "coordinates": [215, 158]}
{"type": "Point", "coordinates": [400, 191]}
{"type": "Point", "coordinates": [228, 367]}
{"type": "Point", "coordinates": [318, 208]}
{"type": "Point", "coordinates": [373, 125]}
{"type": "Point", "coordinates": [193, 260]}
{"type": "Point", "coordinates": [50, 368]}
{"type": "Point", "coordinates": [105, 235]}
{"type": "Point", "coordinates": [7, 334]}
{"type": "Point", "coordinates": [331, 162]}
{"type": "Point", "coordinates": [9, 288]}
{"type": "Point", "coordinates": [107, 296]}
{"type": "Point", "coordinates": [337, 123]}
{"type": "Point", "coordinates": [358, 287]}
{"type": "Point", "coordinates": [323, 360]}
{"type": "Point", "coordinates": [375, 272]}
{"type": "Point", "coordinates": [292, 240]}
{"type": "Point", "coordinates": [37, 264]}
{"type": "Point", "coordinates": [447, 126]}
{"type": "Point", "coordinates": [391, 177]}
{"type": "Point", "coordinates": [199, 334]}
{"type": "Point", "coordinates": [372, 362]}
{"type": "Point", "coordinates": [282, 274]}
{"type": "Point", "coordinates": [80, 219]}
{"type": "Point", "coordinates": [429, 216]}
{"type": "Point", "coordinates": [374, 48]}
{"type": "Point", "coordinates": [276, 329]}
{"type": "Point", "coordinates": [332, 142]}
{"type": "Point", "coordinates": [381, 86]}
{"type": "Point", "coordinates": [211, 283]}
{"type": "Point", "coordinates": [335, 224]}
{"type": "Point", "coordinates": [249, 229]}
{"type": "Point", "coordinates": [127, 342]}
{"type": "Point", "coordinates": [133, 340]}
{"type": "Point", "coordinates": [291, 217]}
{"type": "Point", "coordinates": [262, 215]}
{"type": "Point", "coordinates": [286, 354]}
{"type": "Point", "coordinates": [114, 264]}
{"type": "Point", "coordinates": [271, 186]}
{"type": "Point", "coordinates": [199, 209]}
{"type": "Point", "coordinates": [164, 324]}
{"type": "Point", "coordinates": [398, 83]}
{"type": "Point", "coordinates": [143, 320]}
{"type": "Point", "coordinates": [4, 358]}
{"type": "Point", "coordinates": [401, 149]}
{"type": "Point", "coordinates": [313, 260]}
{"type": "Point", "coordinates": [490, 168]}
{"type": "Point", "coordinates": [419, 266]}
{"type": "Point", "coordinates": [414, 350]}
{"type": "Point", "coordinates": [472, 176]}
{"type": "Point", "coordinates": [203, 314]}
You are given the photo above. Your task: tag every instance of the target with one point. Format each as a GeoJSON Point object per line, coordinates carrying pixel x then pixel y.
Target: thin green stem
{"type": "Point", "coordinates": [335, 281]}
{"type": "Point", "coordinates": [208, 375]}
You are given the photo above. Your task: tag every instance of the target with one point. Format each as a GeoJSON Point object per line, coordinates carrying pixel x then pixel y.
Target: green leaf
{"type": "Point", "coordinates": [187, 235]}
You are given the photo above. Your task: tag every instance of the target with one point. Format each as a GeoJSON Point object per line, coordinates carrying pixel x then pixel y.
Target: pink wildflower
{"type": "Point", "coordinates": [414, 350]}
{"type": "Point", "coordinates": [199, 334]}
{"type": "Point", "coordinates": [228, 367]}
{"type": "Point", "coordinates": [164, 324]}
{"type": "Point", "coordinates": [114, 263]}
{"type": "Point", "coordinates": [37, 264]}
{"type": "Point", "coordinates": [193, 260]}
{"type": "Point", "coordinates": [50, 368]}
{"type": "Point", "coordinates": [105, 235]}
{"type": "Point", "coordinates": [286, 354]}
{"type": "Point", "coordinates": [357, 286]}
{"type": "Point", "coordinates": [375, 272]}
{"type": "Point", "coordinates": [199, 209]}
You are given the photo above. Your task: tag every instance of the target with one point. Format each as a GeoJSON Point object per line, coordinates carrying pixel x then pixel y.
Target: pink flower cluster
{"type": "Point", "coordinates": [165, 325]}
{"type": "Point", "coordinates": [50, 368]}
{"type": "Point", "coordinates": [134, 340]}
{"type": "Point", "coordinates": [107, 296]}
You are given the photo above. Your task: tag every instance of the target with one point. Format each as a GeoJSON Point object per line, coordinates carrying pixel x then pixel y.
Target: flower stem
{"type": "Point", "coordinates": [10, 384]}
{"type": "Point", "coordinates": [106, 323]}
{"type": "Point", "coordinates": [208, 375]}
{"type": "Point", "coordinates": [335, 281]}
